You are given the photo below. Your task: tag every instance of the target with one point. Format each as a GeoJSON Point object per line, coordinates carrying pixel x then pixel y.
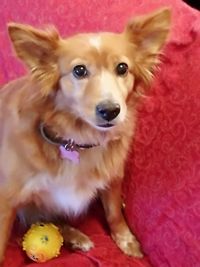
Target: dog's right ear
{"type": "Point", "coordinates": [39, 50]}
{"type": "Point", "coordinates": [35, 47]}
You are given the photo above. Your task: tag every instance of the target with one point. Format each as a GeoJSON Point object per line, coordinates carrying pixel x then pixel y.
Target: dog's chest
{"type": "Point", "coordinates": [61, 194]}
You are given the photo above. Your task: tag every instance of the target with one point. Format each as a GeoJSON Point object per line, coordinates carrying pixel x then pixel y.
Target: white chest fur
{"type": "Point", "coordinates": [60, 194]}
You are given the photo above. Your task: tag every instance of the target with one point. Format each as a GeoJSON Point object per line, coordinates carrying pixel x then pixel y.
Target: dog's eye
{"type": "Point", "coordinates": [80, 71]}
{"type": "Point", "coordinates": [121, 69]}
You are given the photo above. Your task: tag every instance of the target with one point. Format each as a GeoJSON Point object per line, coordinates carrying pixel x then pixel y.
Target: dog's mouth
{"type": "Point", "coordinates": [106, 125]}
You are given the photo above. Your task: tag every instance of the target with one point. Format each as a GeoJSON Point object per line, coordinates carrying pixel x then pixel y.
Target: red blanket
{"type": "Point", "coordinates": [162, 183]}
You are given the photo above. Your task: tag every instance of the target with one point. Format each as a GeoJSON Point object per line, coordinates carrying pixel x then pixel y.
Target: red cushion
{"type": "Point", "coordinates": [162, 183]}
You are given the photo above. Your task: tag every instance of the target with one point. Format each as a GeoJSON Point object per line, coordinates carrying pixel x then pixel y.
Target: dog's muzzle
{"type": "Point", "coordinates": [107, 111]}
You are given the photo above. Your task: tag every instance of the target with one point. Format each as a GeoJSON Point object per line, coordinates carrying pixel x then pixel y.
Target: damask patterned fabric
{"type": "Point", "coordinates": [162, 183]}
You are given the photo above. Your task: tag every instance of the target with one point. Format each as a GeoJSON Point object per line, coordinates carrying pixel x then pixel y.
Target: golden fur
{"type": "Point", "coordinates": [31, 170]}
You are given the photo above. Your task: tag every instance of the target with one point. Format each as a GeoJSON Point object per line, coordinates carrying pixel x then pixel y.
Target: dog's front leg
{"type": "Point", "coordinates": [112, 202]}
{"type": "Point", "coordinates": [7, 216]}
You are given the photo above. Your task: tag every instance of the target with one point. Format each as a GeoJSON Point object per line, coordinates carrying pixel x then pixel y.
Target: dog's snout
{"type": "Point", "coordinates": [108, 110]}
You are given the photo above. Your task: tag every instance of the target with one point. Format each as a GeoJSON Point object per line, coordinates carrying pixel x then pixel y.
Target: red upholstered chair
{"type": "Point", "coordinates": [162, 183]}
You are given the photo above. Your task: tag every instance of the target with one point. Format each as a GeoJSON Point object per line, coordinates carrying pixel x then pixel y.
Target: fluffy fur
{"type": "Point", "coordinates": [32, 173]}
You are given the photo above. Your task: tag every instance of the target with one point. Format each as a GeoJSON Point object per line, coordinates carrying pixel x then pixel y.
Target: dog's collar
{"type": "Point", "coordinates": [69, 148]}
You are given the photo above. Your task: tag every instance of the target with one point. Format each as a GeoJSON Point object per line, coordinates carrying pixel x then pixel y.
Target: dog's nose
{"type": "Point", "coordinates": [107, 110]}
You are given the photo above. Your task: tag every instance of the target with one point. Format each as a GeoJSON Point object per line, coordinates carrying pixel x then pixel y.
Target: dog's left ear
{"type": "Point", "coordinates": [148, 34]}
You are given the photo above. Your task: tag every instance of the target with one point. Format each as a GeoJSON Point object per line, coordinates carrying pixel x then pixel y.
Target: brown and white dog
{"type": "Point", "coordinates": [66, 127]}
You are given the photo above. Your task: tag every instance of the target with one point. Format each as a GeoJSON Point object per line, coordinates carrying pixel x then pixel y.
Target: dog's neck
{"type": "Point", "coordinates": [69, 149]}
{"type": "Point", "coordinates": [69, 144]}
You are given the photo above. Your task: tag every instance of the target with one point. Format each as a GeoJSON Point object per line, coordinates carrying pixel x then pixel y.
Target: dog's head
{"type": "Point", "coordinates": [93, 75]}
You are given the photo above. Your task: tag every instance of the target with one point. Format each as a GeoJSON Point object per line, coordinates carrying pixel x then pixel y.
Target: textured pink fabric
{"type": "Point", "coordinates": [162, 183]}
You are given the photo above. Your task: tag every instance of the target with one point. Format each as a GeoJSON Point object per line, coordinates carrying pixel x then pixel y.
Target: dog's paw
{"type": "Point", "coordinates": [128, 244]}
{"type": "Point", "coordinates": [76, 240]}
{"type": "Point", "coordinates": [82, 242]}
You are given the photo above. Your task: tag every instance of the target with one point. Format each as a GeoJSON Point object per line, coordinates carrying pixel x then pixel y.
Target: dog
{"type": "Point", "coordinates": [67, 126]}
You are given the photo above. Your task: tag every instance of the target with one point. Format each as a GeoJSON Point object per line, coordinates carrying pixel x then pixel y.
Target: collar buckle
{"type": "Point", "coordinates": [70, 145]}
